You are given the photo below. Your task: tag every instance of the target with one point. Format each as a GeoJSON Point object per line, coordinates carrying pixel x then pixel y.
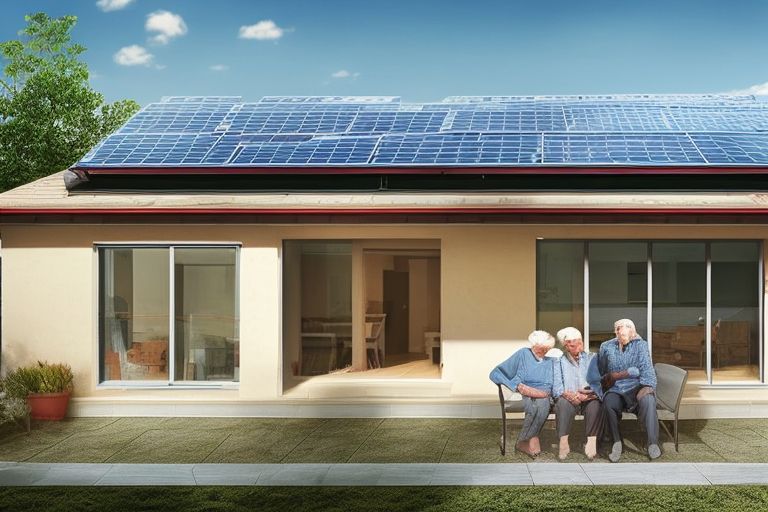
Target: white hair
{"type": "Point", "coordinates": [626, 322]}
{"type": "Point", "coordinates": [567, 334]}
{"type": "Point", "coordinates": [542, 338]}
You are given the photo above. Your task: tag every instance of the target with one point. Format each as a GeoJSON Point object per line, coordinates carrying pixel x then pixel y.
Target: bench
{"type": "Point", "coordinates": [669, 392]}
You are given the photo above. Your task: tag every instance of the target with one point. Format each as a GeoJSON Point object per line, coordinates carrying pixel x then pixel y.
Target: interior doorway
{"type": "Point", "coordinates": [402, 288]}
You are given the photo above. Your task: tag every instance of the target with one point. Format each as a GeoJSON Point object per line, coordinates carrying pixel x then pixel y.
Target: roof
{"type": "Point", "coordinates": [49, 196]}
{"type": "Point", "coordinates": [339, 134]}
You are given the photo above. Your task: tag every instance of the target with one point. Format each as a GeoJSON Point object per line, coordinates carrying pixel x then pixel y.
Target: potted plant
{"type": "Point", "coordinates": [45, 386]}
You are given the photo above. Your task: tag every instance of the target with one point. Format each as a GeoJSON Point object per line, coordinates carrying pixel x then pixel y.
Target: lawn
{"type": "Point", "coordinates": [390, 499]}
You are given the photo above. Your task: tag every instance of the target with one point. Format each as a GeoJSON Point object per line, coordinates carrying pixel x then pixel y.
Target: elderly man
{"type": "Point", "coordinates": [573, 393]}
{"type": "Point", "coordinates": [529, 372]}
{"type": "Point", "coordinates": [628, 383]}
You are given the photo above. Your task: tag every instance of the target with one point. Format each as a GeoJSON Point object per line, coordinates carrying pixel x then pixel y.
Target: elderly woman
{"type": "Point", "coordinates": [628, 383]}
{"type": "Point", "coordinates": [573, 393]}
{"type": "Point", "coordinates": [529, 372]}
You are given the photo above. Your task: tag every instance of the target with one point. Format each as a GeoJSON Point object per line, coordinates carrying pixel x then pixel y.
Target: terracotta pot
{"type": "Point", "coordinates": [48, 406]}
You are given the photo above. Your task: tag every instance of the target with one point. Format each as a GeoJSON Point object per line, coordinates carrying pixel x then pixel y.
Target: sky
{"type": "Point", "coordinates": [419, 50]}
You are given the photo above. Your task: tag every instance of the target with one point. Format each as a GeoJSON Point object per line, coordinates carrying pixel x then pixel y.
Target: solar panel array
{"type": "Point", "coordinates": [284, 131]}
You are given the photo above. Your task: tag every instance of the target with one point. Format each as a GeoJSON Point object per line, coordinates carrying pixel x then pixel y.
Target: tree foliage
{"type": "Point", "coordinates": [49, 114]}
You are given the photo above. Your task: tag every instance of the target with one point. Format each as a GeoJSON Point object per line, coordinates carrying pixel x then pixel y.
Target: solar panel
{"type": "Point", "coordinates": [151, 150]}
{"type": "Point", "coordinates": [726, 148]}
{"type": "Point", "coordinates": [317, 151]}
{"type": "Point", "coordinates": [469, 149]}
{"type": "Point", "coordinates": [660, 148]}
{"type": "Point", "coordinates": [220, 131]}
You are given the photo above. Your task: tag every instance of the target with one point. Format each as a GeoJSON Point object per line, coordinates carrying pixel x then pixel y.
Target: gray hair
{"type": "Point", "coordinates": [626, 322]}
{"type": "Point", "coordinates": [567, 334]}
{"type": "Point", "coordinates": [542, 338]}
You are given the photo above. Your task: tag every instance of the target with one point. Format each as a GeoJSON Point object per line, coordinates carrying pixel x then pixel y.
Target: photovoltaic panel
{"type": "Point", "coordinates": [136, 150]}
{"type": "Point", "coordinates": [726, 148]}
{"type": "Point", "coordinates": [651, 130]}
{"type": "Point", "coordinates": [248, 121]}
{"type": "Point", "coordinates": [397, 122]}
{"type": "Point", "coordinates": [318, 151]}
{"type": "Point", "coordinates": [543, 119]}
{"type": "Point", "coordinates": [660, 148]}
{"type": "Point", "coordinates": [454, 149]}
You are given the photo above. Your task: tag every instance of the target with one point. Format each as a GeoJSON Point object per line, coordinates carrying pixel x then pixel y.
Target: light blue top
{"type": "Point", "coordinates": [523, 367]}
{"type": "Point", "coordinates": [570, 375]}
{"type": "Point", "coordinates": [635, 358]}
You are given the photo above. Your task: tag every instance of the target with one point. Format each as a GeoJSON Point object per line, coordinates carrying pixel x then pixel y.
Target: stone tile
{"type": "Point", "coordinates": [148, 474]}
{"type": "Point", "coordinates": [325, 449]}
{"type": "Point", "coordinates": [260, 444]}
{"type": "Point", "coordinates": [723, 474]}
{"type": "Point", "coordinates": [74, 474]}
{"type": "Point", "coordinates": [558, 474]}
{"type": "Point", "coordinates": [227, 474]}
{"type": "Point", "coordinates": [407, 474]}
{"type": "Point", "coordinates": [170, 446]}
{"type": "Point", "coordinates": [481, 474]}
{"type": "Point", "coordinates": [353, 474]}
{"type": "Point", "coordinates": [644, 474]}
{"type": "Point", "coordinates": [394, 449]}
{"type": "Point", "coordinates": [22, 475]}
{"type": "Point", "coordinates": [294, 474]}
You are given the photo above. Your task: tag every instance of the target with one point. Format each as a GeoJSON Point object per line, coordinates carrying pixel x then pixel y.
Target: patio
{"type": "Point", "coordinates": [345, 440]}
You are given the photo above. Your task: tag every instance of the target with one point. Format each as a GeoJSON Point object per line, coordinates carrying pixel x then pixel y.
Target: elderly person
{"type": "Point", "coordinates": [574, 395]}
{"type": "Point", "coordinates": [628, 383]}
{"type": "Point", "coordinates": [529, 372]}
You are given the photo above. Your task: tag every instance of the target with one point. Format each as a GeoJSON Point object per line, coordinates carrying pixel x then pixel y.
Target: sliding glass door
{"type": "Point", "coordinates": [697, 303]}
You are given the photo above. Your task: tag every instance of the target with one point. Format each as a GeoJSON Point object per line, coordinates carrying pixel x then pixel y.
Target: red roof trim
{"type": "Point", "coordinates": [575, 170]}
{"type": "Point", "coordinates": [382, 211]}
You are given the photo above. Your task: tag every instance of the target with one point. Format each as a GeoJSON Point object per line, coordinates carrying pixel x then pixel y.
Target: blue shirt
{"type": "Point", "coordinates": [569, 375]}
{"type": "Point", "coordinates": [523, 367]}
{"type": "Point", "coordinates": [635, 358]}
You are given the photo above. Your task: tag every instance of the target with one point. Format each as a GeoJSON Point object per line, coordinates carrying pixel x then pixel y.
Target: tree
{"type": "Point", "coordinates": [49, 114]}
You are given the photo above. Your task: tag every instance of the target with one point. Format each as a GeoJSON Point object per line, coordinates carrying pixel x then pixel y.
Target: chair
{"type": "Point", "coordinates": [510, 401]}
{"type": "Point", "coordinates": [372, 334]}
{"type": "Point", "coordinates": [670, 383]}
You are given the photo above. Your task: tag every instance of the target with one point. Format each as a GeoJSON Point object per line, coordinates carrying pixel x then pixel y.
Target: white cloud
{"type": "Point", "coordinates": [343, 73]}
{"type": "Point", "coordinates": [759, 89]}
{"type": "Point", "coordinates": [264, 30]}
{"type": "Point", "coordinates": [166, 24]}
{"type": "Point", "coordinates": [113, 5]}
{"type": "Point", "coordinates": [133, 55]}
{"type": "Point", "coordinates": [219, 67]}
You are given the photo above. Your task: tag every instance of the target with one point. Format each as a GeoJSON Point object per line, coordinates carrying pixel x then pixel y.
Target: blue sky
{"type": "Point", "coordinates": [420, 50]}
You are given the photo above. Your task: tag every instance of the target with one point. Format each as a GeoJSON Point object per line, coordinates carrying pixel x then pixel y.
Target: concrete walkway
{"type": "Point", "coordinates": [35, 474]}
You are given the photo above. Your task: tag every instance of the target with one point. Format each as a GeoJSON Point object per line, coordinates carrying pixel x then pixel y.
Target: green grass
{"type": "Point", "coordinates": [390, 499]}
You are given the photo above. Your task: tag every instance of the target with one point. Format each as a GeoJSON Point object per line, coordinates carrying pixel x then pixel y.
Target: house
{"type": "Point", "coordinates": [301, 256]}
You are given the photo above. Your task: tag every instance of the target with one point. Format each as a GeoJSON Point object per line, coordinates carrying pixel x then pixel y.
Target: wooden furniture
{"type": "Point", "coordinates": [314, 346]}
{"type": "Point", "coordinates": [372, 335]}
{"type": "Point", "coordinates": [686, 346]}
{"type": "Point", "coordinates": [731, 343]}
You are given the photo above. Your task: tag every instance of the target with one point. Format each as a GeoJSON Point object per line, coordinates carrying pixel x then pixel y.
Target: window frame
{"type": "Point", "coordinates": [710, 383]}
{"type": "Point", "coordinates": [171, 382]}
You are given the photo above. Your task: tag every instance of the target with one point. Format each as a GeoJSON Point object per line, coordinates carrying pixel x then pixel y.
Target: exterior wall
{"type": "Point", "coordinates": [488, 303]}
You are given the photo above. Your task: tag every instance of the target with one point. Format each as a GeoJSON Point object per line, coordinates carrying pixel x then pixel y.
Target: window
{"type": "Point", "coordinates": [139, 339]}
{"type": "Point", "coordinates": [684, 315]}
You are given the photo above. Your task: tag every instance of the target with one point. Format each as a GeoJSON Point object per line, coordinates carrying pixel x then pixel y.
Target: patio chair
{"type": "Point", "coordinates": [510, 401]}
{"type": "Point", "coordinates": [670, 383]}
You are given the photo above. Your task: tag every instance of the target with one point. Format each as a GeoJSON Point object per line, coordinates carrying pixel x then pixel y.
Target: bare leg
{"type": "Point", "coordinates": [565, 449]}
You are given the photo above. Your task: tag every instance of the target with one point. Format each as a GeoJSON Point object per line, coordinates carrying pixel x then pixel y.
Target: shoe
{"type": "Point", "coordinates": [654, 452]}
{"type": "Point", "coordinates": [615, 454]}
